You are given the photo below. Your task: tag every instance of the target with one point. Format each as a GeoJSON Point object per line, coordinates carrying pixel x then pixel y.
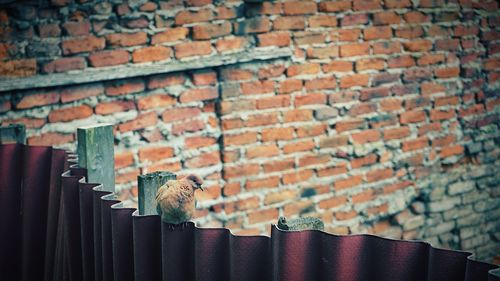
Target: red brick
{"type": "Point", "coordinates": [281, 165]}
{"type": "Point", "coordinates": [289, 23]}
{"type": "Point", "coordinates": [447, 100]}
{"type": "Point", "coordinates": [240, 171]}
{"type": "Point", "coordinates": [401, 62]}
{"type": "Point", "coordinates": [261, 120]}
{"type": "Point", "coordinates": [418, 46]}
{"type": "Point", "coordinates": [362, 108]}
{"type": "Point", "coordinates": [354, 19]}
{"type": "Point", "coordinates": [73, 93]}
{"type": "Point", "coordinates": [198, 95]}
{"type": "Point", "coordinates": [231, 189]}
{"type": "Point", "coordinates": [379, 175]}
{"type": "Point", "coordinates": [142, 121]}
{"type": "Point", "coordinates": [266, 150]}
{"type": "Point", "coordinates": [416, 17]}
{"type": "Point", "coordinates": [373, 93]}
{"type": "Point", "coordinates": [451, 151]}
{"type": "Point", "coordinates": [223, 12]}
{"type": "Point", "coordinates": [338, 66]}
{"type": "Point", "coordinates": [204, 78]}
{"type": "Point", "coordinates": [428, 59]}
{"type": "Point", "coordinates": [82, 45]}
{"type": "Point", "coordinates": [323, 53]}
{"type": "Point", "coordinates": [448, 72]}
{"type": "Point", "coordinates": [311, 130]}
{"type": "Point", "coordinates": [124, 87]}
{"type": "Point", "coordinates": [410, 32]}
{"type": "Point", "coordinates": [188, 126]}
{"type": "Point", "coordinates": [64, 64]}
{"type": "Point", "coordinates": [390, 104]}
{"type": "Point", "coordinates": [176, 114]}
{"type": "Point", "coordinates": [193, 49]}
{"type": "Point", "coordinates": [358, 49]}
{"type": "Point", "coordinates": [227, 107]}
{"type": "Point", "coordinates": [415, 144]}
{"type": "Point", "coordinates": [396, 133]}
{"type": "Point", "coordinates": [262, 216]}
{"type": "Point", "coordinates": [170, 35]}
{"type": "Point", "coordinates": [321, 83]}
{"type": "Point", "coordinates": [334, 6]}
{"type": "Point", "coordinates": [332, 202]}
{"type": "Point", "coordinates": [154, 101]}
{"type": "Point", "coordinates": [366, 136]}
{"type": "Point", "coordinates": [127, 39]}
{"type": "Point", "coordinates": [364, 196]}
{"type": "Point", "coordinates": [50, 139]}
{"type": "Point", "coordinates": [165, 80]}
{"type": "Point", "coordinates": [210, 31]}
{"type": "Point", "coordinates": [385, 48]}
{"type": "Point", "coordinates": [252, 25]}
{"type": "Point", "coordinates": [366, 64]}
{"type": "Point", "coordinates": [348, 125]}
{"type": "Point", "coordinates": [412, 117]}
{"type": "Point", "coordinates": [432, 88]}
{"type": "Point", "coordinates": [427, 128]}
{"type": "Point", "coordinates": [257, 87]}
{"type": "Point", "coordinates": [114, 106]}
{"type": "Point", "coordinates": [322, 21]}
{"type": "Point", "coordinates": [271, 71]}
{"type": "Point", "coordinates": [354, 80]}
{"type": "Point", "coordinates": [150, 54]}
{"type": "Point", "coordinates": [124, 159]}
{"type": "Point", "coordinates": [76, 28]}
{"type": "Point", "coordinates": [313, 159]}
{"type": "Point", "coordinates": [262, 183]}
{"type": "Point", "coordinates": [444, 141]}
{"type": "Point", "coordinates": [236, 74]}
{"type": "Point", "coordinates": [297, 115]}
{"type": "Point", "coordinates": [308, 99]}
{"type": "Point", "coordinates": [224, 45]}
{"type": "Point", "coordinates": [18, 68]}
{"type": "Point", "coordinates": [203, 160]}
{"type": "Point", "coordinates": [299, 8]}
{"type": "Point", "coordinates": [374, 33]}
{"type": "Point", "coordinates": [187, 17]}
{"type": "Point", "coordinates": [332, 171]}
{"type": "Point", "coordinates": [273, 102]}
{"type": "Point", "coordinates": [155, 153]}
{"type": "Point", "coordinates": [333, 141]}
{"type": "Point", "coordinates": [471, 110]}
{"type": "Point", "coordinates": [273, 134]}
{"type": "Point", "coordinates": [37, 99]}
{"type": "Point", "coordinates": [30, 123]}
{"type": "Point", "coordinates": [279, 39]}
{"type": "Point", "coordinates": [299, 146]}
{"type": "Point", "coordinates": [303, 69]}
{"type": "Point", "coordinates": [386, 18]}
{"type": "Point", "coordinates": [49, 30]}
{"type": "Point", "coordinates": [364, 5]}
{"type": "Point", "coordinates": [437, 114]}
{"type": "Point", "coordinates": [397, 4]}
{"type": "Point", "coordinates": [240, 139]}
{"type": "Point", "coordinates": [109, 58]}
{"type": "Point", "coordinates": [348, 182]}
{"type": "Point", "coordinates": [367, 160]}
{"type": "Point", "coordinates": [296, 177]}
{"type": "Point", "coordinates": [351, 34]}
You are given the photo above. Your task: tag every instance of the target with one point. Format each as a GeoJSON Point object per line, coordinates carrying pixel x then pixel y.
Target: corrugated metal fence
{"type": "Point", "coordinates": [55, 226]}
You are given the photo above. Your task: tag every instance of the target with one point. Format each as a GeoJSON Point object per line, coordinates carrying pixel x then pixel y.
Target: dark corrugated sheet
{"type": "Point", "coordinates": [56, 227]}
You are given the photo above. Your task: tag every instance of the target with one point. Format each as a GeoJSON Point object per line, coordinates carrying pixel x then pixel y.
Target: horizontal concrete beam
{"type": "Point", "coordinates": [134, 70]}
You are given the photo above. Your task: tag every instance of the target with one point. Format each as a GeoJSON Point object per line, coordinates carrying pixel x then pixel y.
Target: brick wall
{"type": "Point", "coordinates": [384, 120]}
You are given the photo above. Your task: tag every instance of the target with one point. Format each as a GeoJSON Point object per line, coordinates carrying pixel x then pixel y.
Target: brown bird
{"type": "Point", "coordinates": [175, 199]}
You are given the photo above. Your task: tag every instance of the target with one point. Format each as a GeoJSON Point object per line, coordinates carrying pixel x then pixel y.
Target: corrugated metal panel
{"type": "Point", "coordinates": [61, 228]}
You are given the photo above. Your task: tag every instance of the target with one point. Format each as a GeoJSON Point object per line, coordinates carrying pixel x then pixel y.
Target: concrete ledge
{"type": "Point", "coordinates": [134, 70]}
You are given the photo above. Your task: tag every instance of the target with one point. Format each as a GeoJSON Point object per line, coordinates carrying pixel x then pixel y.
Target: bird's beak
{"type": "Point", "coordinates": [201, 188]}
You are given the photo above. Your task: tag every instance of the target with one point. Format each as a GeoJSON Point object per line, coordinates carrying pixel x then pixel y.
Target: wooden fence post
{"type": "Point", "coordinates": [148, 184]}
{"type": "Point", "coordinates": [96, 154]}
{"type": "Point", "coordinates": [15, 133]}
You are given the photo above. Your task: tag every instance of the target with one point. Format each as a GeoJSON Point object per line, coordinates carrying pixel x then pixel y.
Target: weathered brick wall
{"type": "Point", "coordinates": [384, 120]}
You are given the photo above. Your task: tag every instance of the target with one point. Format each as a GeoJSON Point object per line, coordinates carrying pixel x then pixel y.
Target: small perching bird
{"type": "Point", "coordinates": [175, 199]}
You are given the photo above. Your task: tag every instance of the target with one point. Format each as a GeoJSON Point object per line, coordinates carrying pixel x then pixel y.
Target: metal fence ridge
{"type": "Point", "coordinates": [56, 226]}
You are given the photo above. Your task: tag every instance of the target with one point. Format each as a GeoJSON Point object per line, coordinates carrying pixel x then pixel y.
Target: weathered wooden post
{"type": "Point", "coordinates": [148, 184]}
{"type": "Point", "coordinates": [15, 133]}
{"type": "Point", "coordinates": [96, 154]}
